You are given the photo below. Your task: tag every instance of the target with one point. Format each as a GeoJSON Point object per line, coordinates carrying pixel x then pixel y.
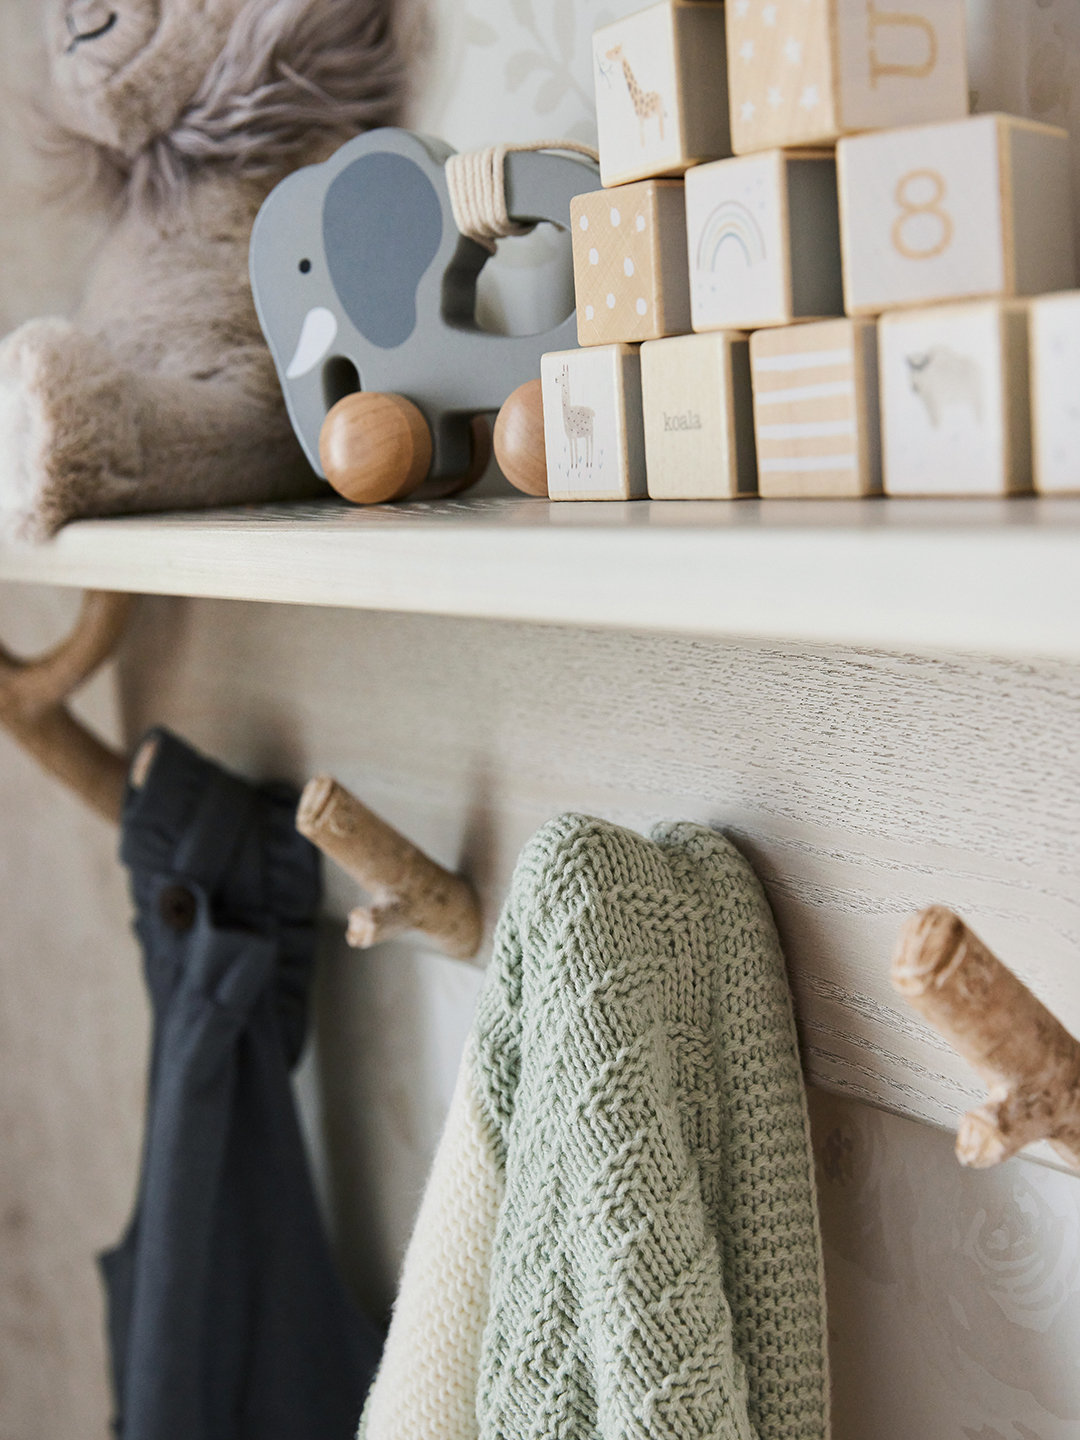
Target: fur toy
{"type": "Point", "coordinates": [160, 393]}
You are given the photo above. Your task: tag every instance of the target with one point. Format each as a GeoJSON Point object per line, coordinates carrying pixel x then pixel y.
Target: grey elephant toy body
{"type": "Point", "coordinates": [362, 281]}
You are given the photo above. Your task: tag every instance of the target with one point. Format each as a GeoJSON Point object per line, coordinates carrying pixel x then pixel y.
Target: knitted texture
{"type": "Point", "coordinates": [655, 1262]}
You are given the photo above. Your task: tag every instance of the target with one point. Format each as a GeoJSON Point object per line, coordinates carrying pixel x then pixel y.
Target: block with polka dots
{"type": "Point", "coordinates": [631, 273]}
{"type": "Point", "coordinates": [805, 72]}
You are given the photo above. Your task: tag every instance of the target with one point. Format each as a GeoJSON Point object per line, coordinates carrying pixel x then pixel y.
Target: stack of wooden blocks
{"type": "Point", "coordinates": [810, 271]}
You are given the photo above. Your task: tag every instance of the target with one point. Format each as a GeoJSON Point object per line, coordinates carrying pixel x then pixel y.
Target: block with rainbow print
{"type": "Point", "coordinates": [763, 236]}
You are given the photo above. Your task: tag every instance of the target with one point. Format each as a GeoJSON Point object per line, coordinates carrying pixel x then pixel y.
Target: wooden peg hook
{"type": "Point", "coordinates": [32, 708]}
{"type": "Point", "coordinates": [1030, 1062]}
{"type": "Point", "coordinates": [408, 890]}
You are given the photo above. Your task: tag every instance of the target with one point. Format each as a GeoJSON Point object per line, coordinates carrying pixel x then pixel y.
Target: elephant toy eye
{"type": "Point", "coordinates": [88, 21]}
{"type": "Point", "coordinates": [305, 267]}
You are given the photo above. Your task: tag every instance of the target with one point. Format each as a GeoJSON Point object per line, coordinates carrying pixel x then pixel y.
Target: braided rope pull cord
{"type": "Point", "coordinates": [476, 180]}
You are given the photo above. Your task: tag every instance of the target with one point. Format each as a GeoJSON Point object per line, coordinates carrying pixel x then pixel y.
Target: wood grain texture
{"type": "Point", "coordinates": [856, 782]}
{"type": "Point", "coordinates": [834, 572]}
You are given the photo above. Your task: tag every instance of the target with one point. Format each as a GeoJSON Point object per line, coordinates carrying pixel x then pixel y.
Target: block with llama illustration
{"type": "Point", "coordinates": [661, 90]}
{"type": "Point", "coordinates": [763, 237]}
{"type": "Point", "coordinates": [593, 429]}
{"type": "Point", "coordinates": [805, 72]}
{"type": "Point", "coordinates": [955, 399]}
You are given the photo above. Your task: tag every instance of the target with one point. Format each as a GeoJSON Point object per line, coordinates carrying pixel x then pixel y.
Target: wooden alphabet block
{"type": "Point", "coordinates": [805, 72]}
{"type": "Point", "coordinates": [592, 423]}
{"type": "Point", "coordinates": [1055, 392]}
{"type": "Point", "coordinates": [699, 424]}
{"type": "Point", "coordinates": [956, 417]}
{"type": "Point", "coordinates": [816, 411]}
{"type": "Point", "coordinates": [661, 91]}
{"type": "Point", "coordinates": [763, 233]}
{"type": "Point", "coordinates": [943, 212]}
{"type": "Point", "coordinates": [630, 270]}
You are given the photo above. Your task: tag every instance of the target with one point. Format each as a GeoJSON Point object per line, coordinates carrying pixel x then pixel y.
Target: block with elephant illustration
{"type": "Point", "coordinates": [956, 414]}
{"type": "Point", "coordinates": [593, 432]}
{"type": "Point", "coordinates": [661, 90]}
{"type": "Point", "coordinates": [763, 238]}
{"type": "Point", "coordinates": [978, 207]}
{"type": "Point", "coordinates": [805, 72]}
{"type": "Point", "coordinates": [631, 280]}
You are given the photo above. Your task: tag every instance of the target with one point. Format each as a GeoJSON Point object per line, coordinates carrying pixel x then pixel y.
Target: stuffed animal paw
{"type": "Point", "coordinates": [69, 432]}
{"type": "Point", "coordinates": [162, 394]}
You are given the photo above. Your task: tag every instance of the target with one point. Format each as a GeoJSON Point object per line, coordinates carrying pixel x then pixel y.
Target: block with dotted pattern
{"type": "Point", "coordinates": [631, 273]}
{"type": "Point", "coordinates": [805, 72]}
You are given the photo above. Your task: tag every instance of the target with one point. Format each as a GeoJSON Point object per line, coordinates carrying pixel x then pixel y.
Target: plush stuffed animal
{"type": "Point", "coordinates": [161, 393]}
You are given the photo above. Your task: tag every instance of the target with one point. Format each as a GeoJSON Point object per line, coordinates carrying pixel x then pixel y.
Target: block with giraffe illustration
{"type": "Point", "coordinates": [593, 428]}
{"type": "Point", "coordinates": [661, 90]}
{"type": "Point", "coordinates": [805, 72]}
{"type": "Point", "coordinates": [763, 235]}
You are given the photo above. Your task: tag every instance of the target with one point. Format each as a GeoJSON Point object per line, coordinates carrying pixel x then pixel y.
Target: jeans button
{"type": "Point", "coordinates": [177, 907]}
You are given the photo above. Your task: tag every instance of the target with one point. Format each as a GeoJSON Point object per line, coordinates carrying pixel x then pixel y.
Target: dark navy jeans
{"type": "Point", "coordinates": [226, 1315]}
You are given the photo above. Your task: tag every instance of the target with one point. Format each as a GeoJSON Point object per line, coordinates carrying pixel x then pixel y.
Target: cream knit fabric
{"type": "Point", "coordinates": [619, 1239]}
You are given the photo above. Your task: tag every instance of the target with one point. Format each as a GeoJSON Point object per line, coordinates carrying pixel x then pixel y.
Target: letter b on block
{"type": "Point", "coordinates": [900, 21]}
{"type": "Point", "coordinates": [902, 63]}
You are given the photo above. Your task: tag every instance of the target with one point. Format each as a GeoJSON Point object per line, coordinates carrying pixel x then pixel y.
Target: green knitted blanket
{"type": "Point", "coordinates": [619, 1237]}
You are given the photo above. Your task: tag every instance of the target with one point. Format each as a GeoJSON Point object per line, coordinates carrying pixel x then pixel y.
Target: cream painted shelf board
{"type": "Point", "coordinates": [989, 576]}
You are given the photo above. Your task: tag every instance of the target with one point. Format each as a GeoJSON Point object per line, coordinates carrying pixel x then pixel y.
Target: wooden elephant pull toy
{"type": "Point", "coordinates": [364, 273]}
{"type": "Point", "coordinates": [409, 891]}
{"type": "Point", "coordinates": [1030, 1062]}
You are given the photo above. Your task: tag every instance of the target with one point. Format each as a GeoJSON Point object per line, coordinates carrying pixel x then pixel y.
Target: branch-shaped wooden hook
{"type": "Point", "coordinates": [32, 709]}
{"type": "Point", "coordinates": [1030, 1062]}
{"type": "Point", "coordinates": [408, 890]}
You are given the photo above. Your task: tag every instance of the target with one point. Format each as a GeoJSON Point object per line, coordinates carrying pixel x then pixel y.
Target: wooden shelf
{"type": "Point", "coordinates": [989, 576]}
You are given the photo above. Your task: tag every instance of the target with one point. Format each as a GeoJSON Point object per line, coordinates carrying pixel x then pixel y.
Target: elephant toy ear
{"type": "Point", "coordinates": [123, 71]}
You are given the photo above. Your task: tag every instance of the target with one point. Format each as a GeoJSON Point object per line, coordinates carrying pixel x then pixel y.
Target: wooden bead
{"type": "Point", "coordinates": [519, 439]}
{"type": "Point", "coordinates": [375, 447]}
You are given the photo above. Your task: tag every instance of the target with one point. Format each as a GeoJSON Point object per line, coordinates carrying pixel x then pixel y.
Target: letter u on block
{"type": "Point", "coordinates": [891, 19]}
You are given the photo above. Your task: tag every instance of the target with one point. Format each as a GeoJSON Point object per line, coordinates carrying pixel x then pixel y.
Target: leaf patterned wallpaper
{"type": "Point", "coordinates": [954, 1295]}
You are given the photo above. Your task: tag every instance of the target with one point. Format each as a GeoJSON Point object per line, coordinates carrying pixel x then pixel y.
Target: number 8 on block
{"type": "Point", "coordinates": [971, 208]}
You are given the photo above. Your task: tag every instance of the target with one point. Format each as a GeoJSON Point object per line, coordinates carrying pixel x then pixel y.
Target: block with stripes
{"type": "Point", "coordinates": [763, 234]}
{"type": "Point", "coordinates": [816, 411]}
